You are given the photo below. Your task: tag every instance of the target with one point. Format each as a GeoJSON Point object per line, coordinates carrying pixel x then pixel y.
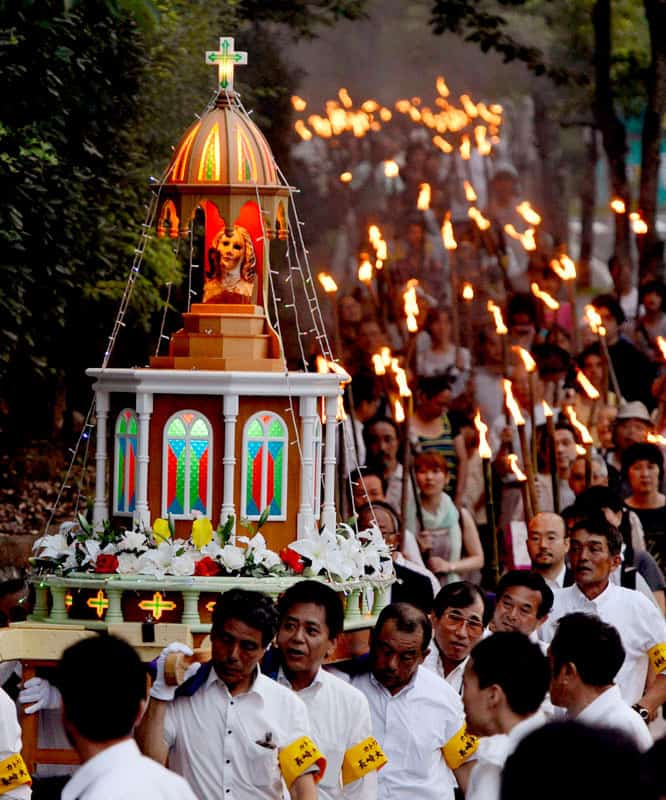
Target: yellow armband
{"type": "Point", "coordinates": [13, 773]}
{"type": "Point", "coordinates": [297, 757]}
{"type": "Point", "coordinates": [459, 748]}
{"type": "Point", "coordinates": [657, 655]}
{"type": "Point", "coordinates": [361, 759]}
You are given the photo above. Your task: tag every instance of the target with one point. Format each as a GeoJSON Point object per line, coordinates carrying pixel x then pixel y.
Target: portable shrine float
{"type": "Point", "coordinates": [218, 437]}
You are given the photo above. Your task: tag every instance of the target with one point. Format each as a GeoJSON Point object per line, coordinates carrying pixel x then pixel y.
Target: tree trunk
{"type": "Point", "coordinates": [655, 12]}
{"type": "Point", "coordinates": [553, 200]}
{"type": "Point", "coordinates": [588, 202]}
{"type": "Point", "coordinates": [613, 132]}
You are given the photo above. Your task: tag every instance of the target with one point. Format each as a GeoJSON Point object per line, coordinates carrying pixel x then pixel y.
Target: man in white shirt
{"type": "Point", "coordinates": [595, 554]}
{"type": "Point", "coordinates": [234, 733]}
{"type": "Point", "coordinates": [311, 619]}
{"type": "Point", "coordinates": [548, 545]}
{"type": "Point", "coordinates": [522, 603]}
{"type": "Point", "coordinates": [586, 655]}
{"type": "Point", "coordinates": [417, 716]}
{"type": "Point", "coordinates": [104, 686]}
{"type": "Point", "coordinates": [458, 616]}
{"type": "Point", "coordinates": [505, 683]}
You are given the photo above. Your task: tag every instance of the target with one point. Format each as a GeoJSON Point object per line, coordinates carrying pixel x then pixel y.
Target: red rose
{"type": "Point", "coordinates": [206, 567]}
{"type": "Point", "coordinates": [106, 563]}
{"type": "Point", "coordinates": [292, 559]}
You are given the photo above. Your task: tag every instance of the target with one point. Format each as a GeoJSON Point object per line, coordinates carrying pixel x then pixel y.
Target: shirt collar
{"type": "Point", "coordinates": [256, 687]}
{"type": "Point", "coordinates": [525, 726]}
{"type": "Point", "coordinates": [98, 766]}
{"type": "Point", "coordinates": [600, 599]}
{"type": "Point", "coordinates": [596, 708]}
{"type": "Point", "coordinates": [405, 689]}
{"type": "Point", "coordinates": [317, 681]}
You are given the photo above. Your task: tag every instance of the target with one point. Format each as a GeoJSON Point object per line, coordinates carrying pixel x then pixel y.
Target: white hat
{"type": "Point", "coordinates": [634, 410]}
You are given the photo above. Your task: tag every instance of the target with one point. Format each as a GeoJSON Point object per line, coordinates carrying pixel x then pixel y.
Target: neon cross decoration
{"type": "Point", "coordinates": [226, 59]}
{"type": "Point", "coordinates": [210, 605]}
{"type": "Point", "coordinates": [157, 605]}
{"type": "Point", "coordinates": [100, 603]}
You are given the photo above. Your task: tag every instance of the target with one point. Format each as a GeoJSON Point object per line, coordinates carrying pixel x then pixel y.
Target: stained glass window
{"type": "Point", "coordinates": [124, 476]}
{"type": "Point", "coordinates": [264, 467]}
{"type": "Point", "coordinates": [187, 465]}
{"type": "Point", "coordinates": [316, 492]}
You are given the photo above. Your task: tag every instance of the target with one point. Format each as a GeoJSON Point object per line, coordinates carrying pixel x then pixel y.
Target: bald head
{"type": "Point", "coordinates": [547, 543]}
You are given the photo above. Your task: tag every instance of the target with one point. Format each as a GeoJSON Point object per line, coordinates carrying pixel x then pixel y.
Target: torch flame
{"type": "Point", "coordinates": [549, 301]}
{"type": "Point", "coordinates": [298, 103]}
{"type": "Point", "coordinates": [423, 201]}
{"type": "Point", "coordinates": [482, 428]}
{"type": "Point", "coordinates": [547, 410]}
{"type": "Point", "coordinates": [443, 145]}
{"type": "Point", "coordinates": [442, 88]}
{"type": "Point", "coordinates": [391, 169]}
{"type": "Point", "coordinates": [580, 450]}
{"type": "Point", "coordinates": [528, 362]}
{"type": "Point", "coordinates": [513, 464]}
{"type": "Point", "coordinates": [400, 378]}
{"type": "Point", "coordinates": [411, 305]}
{"type": "Point", "coordinates": [468, 291]}
{"type": "Point", "coordinates": [481, 222]}
{"type": "Point", "coordinates": [578, 425]}
{"type": "Point", "coordinates": [638, 224]}
{"type": "Point", "coordinates": [327, 282]}
{"type": "Point", "coordinates": [378, 364]}
{"type": "Point", "coordinates": [661, 344]}
{"type": "Point", "coordinates": [365, 271]}
{"type": "Point", "coordinates": [593, 319]}
{"type": "Point", "coordinates": [346, 177]}
{"type": "Point", "coordinates": [302, 130]}
{"type": "Point", "coordinates": [398, 411]}
{"type": "Point", "coordinates": [618, 205]}
{"type": "Point", "coordinates": [656, 438]}
{"type": "Point", "coordinates": [465, 148]}
{"type": "Point", "coordinates": [322, 366]}
{"type": "Point", "coordinates": [528, 213]}
{"type": "Point", "coordinates": [587, 385]}
{"type": "Point", "coordinates": [496, 311]}
{"type": "Point", "coordinates": [374, 235]}
{"type": "Point", "coordinates": [385, 114]}
{"type": "Point", "coordinates": [565, 268]}
{"type": "Point", "coordinates": [447, 233]}
{"type": "Point", "coordinates": [511, 404]}
{"type": "Point", "coordinates": [387, 358]}
{"type": "Point", "coordinates": [346, 100]}
{"type": "Point", "coordinates": [470, 194]}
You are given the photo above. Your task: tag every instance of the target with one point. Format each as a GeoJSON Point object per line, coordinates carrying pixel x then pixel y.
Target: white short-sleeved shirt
{"type": "Point", "coordinates": [640, 624]}
{"type": "Point", "coordinates": [214, 738]}
{"type": "Point", "coordinates": [486, 776]}
{"type": "Point", "coordinates": [10, 742]}
{"type": "Point", "coordinates": [609, 710]}
{"type": "Point", "coordinates": [121, 773]}
{"type": "Point", "coordinates": [340, 718]}
{"type": "Point", "coordinates": [413, 726]}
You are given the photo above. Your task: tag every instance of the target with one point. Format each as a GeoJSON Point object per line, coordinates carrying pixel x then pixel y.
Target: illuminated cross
{"type": "Point", "coordinates": [157, 605]}
{"type": "Point", "coordinates": [210, 605]}
{"type": "Point", "coordinates": [68, 600]}
{"type": "Point", "coordinates": [100, 603]}
{"type": "Point", "coordinates": [226, 59]}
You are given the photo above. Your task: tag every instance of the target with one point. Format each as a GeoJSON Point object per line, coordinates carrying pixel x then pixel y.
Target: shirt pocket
{"type": "Point", "coordinates": [261, 762]}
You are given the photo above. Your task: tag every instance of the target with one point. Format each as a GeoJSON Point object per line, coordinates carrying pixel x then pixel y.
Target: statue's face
{"type": "Point", "coordinates": [231, 249]}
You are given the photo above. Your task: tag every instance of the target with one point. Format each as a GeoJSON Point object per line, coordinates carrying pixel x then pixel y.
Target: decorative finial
{"type": "Point", "coordinates": [226, 59]}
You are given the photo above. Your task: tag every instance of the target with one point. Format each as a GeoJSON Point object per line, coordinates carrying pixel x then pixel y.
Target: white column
{"type": "Point", "coordinates": [230, 410]}
{"type": "Point", "coordinates": [144, 409]}
{"type": "Point", "coordinates": [100, 507]}
{"type": "Point", "coordinates": [306, 518]}
{"type": "Point", "coordinates": [328, 509]}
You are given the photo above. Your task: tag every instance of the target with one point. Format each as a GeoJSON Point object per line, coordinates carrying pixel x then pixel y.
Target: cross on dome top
{"type": "Point", "coordinates": [226, 59]}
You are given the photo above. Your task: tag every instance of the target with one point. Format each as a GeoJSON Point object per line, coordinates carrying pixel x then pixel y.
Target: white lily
{"type": "Point", "coordinates": [232, 558]}
{"type": "Point", "coordinates": [53, 546]}
{"type": "Point", "coordinates": [182, 565]}
{"type": "Point", "coordinates": [319, 550]}
{"type": "Point", "coordinates": [128, 564]}
{"type": "Point", "coordinates": [132, 540]}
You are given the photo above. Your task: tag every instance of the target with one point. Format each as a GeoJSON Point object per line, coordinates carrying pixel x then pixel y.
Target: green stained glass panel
{"type": "Point", "coordinates": [254, 429]}
{"type": "Point", "coordinates": [276, 429]}
{"type": "Point", "coordinates": [122, 423]}
{"type": "Point", "coordinates": [176, 428]}
{"type": "Point", "coordinates": [199, 428]}
{"type": "Point", "coordinates": [132, 425]}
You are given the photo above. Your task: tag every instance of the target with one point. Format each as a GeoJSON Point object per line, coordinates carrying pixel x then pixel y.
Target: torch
{"type": "Point", "coordinates": [412, 310]}
{"type": "Point", "coordinates": [405, 393]}
{"type": "Point", "coordinates": [554, 478]}
{"type": "Point", "coordinates": [587, 440]}
{"type": "Point", "coordinates": [590, 392]}
{"type": "Point", "coordinates": [530, 367]}
{"type": "Point", "coordinates": [468, 296]}
{"type": "Point", "coordinates": [519, 422]}
{"type": "Point", "coordinates": [594, 321]}
{"type": "Point", "coordinates": [565, 269]}
{"type": "Point", "coordinates": [330, 287]}
{"type": "Point", "coordinates": [520, 476]}
{"type": "Point", "coordinates": [486, 453]}
{"type": "Point", "coordinates": [451, 246]}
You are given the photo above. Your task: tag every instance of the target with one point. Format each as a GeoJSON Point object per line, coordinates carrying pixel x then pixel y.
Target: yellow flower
{"type": "Point", "coordinates": [161, 529]}
{"type": "Point", "coordinates": [202, 532]}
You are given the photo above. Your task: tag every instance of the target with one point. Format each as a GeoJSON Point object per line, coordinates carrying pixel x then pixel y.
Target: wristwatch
{"type": "Point", "coordinates": [642, 711]}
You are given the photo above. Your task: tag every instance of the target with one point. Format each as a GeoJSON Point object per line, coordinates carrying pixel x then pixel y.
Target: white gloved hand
{"type": "Point", "coordinates": [41, 694]}
{"type": "Point", "coordinates": [159, 689]}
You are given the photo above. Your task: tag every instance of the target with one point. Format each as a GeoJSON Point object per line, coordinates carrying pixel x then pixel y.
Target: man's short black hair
{"type": "Point", "coordinates": [459, 594]}
{"type": "Point", "coordinates": [102, 682]}
{"type": "Point", "coordinates": [599, 525]}
{"type": "Point", "coordinates": [530, 580]}
{"type": "Point", "coordinates": [653, 287]}
{"type": "Point", "coordinates": [643, 451]}
{"type": "Point", "coordinates": [612, 305]}
{"type": "Point", "coordinates": [369, 425]}
{"type": "Point", "coordinates": [594, 498]}
{"type": "Point", "coordinates": [407, 618]}
{"type": "Point", "coordinates": [516, 665]}
{"type": "Point", "coordinates": [432, 385]}
{"type": "Point", "coordinates": [319, 594]}
{"type": "Point", "coordinates": [255, 609]}
{"type": "Point", "coordinates": [593, 646]}
{"type": "Point", "coordinates": [364, 388]}
{"type": "Point", "coordinates": [605, 763]}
